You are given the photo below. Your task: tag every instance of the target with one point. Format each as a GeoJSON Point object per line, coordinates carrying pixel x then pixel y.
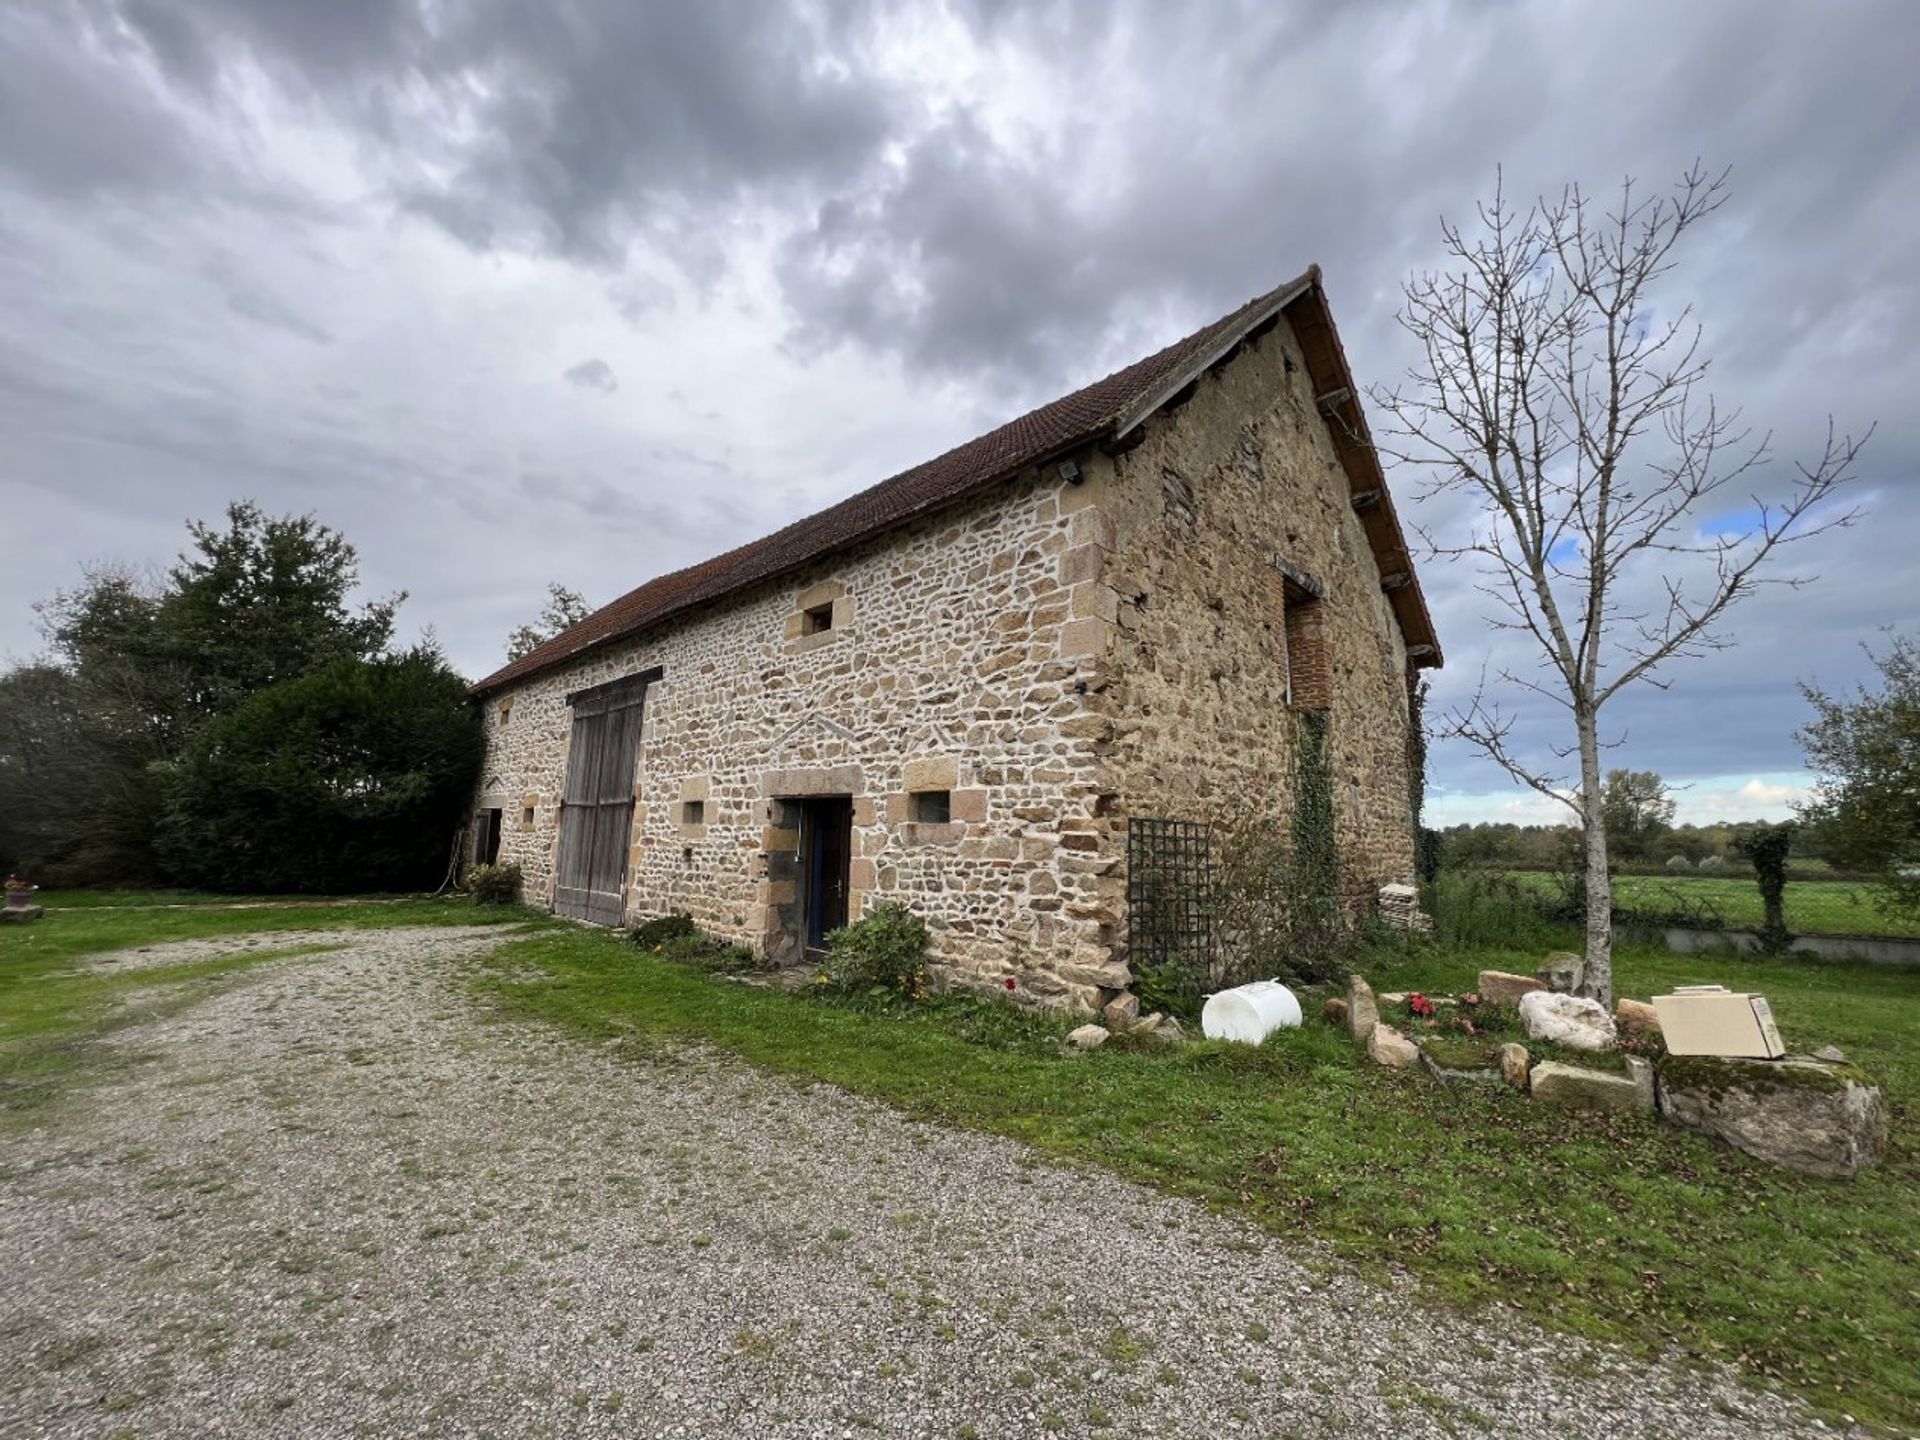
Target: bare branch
{"type": "Point", "coordinates": [1556, 392]}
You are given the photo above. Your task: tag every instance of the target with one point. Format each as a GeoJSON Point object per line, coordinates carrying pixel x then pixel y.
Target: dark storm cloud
{"type": "Point", "coordinates": [74, 121]}
{"type": "Point", "coordinates": [1104, 178]}
{"type": "Point", "coordinates": [576, 125]}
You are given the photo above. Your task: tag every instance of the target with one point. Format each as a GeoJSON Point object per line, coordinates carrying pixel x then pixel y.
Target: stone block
{"type": "Point", "coordinates": [1363, 1013]}
{"type": "Point", "coordinates": [814, 596]}
{"type": "Point", "coordinates": [938, 772]}
{"type": "Point", "coordinates": [1092, 526]}
{"type": "Point", "coordinates": [1334, 1012]}
{"type": "Point", "coordinates": [1088, 1037]}
{"type": "Point", "coordinates": [1121, 1011]}
{"type": "Point", "coordinates": [775, 892]}
{"type": "Point", "coordinates": [1563, 973]}
{"type": "Point", "coordinates": [1387, 1046]}
{"type": "Point", "coordinates": [1636, 1017]}
{"type": "Point", "coordinates": [1082, 563]}
{"type": "Point", "coordinates": [1574, 1087]}
{"type": "Point", "coordinates": [1570, 1020]}
{"type": "Point", "coordinates": [20, 914]}
{"type": "Point", "coordinates": [799, 784]}
{"type": "Point", "coordinates": [1640, 1071]}
{"type": "Point", "coordinates": [1816, 1117]}
{"type": "Point", "coordinates": [1514, 1062]}
{"type": "Point", "coordinates": [1501, 987]}
{"type": "Point", "coordinates": [968, 806]}
{"type": "Point", "coordinates": [1083, 637]}
{"type": "Point", "coordinates": [696, 787]}
{"type": "Point", "coordinates": [1102, 974]}
{"type": "Point", "coordinates": [1093, 601]}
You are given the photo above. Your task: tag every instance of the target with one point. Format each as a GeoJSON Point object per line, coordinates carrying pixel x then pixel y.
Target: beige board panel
{"type": "Point", "coordinates": [1711, 1020]}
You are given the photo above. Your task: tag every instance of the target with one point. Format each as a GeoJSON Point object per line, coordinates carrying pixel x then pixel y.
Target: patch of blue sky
{"type": "Point", "coordinates": [1737, 524]}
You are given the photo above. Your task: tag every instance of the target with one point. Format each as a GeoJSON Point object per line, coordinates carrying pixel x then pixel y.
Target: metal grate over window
{"type": "Point", "coordinates": [1170, 893]}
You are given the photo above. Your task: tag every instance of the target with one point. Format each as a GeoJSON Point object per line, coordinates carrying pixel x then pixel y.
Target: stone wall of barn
{"type": "Point", "coordinates": [1056, 657]}
{"type": "Point", "coordinates": [950, 663]}
{"type": "Point", "coordinates": [1230, 502]}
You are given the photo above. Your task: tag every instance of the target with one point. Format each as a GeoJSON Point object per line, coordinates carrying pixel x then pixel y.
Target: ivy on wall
{"type": "Point", "coordinates": [1426, 843]}
{"type": "Point", "coordinates": [1314, 867]}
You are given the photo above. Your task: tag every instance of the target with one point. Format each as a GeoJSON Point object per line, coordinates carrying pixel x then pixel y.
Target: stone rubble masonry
{"type": "Point", "coordinates": [1057, 657]}
{"type": "Point", "coordinates": [1197, 670]}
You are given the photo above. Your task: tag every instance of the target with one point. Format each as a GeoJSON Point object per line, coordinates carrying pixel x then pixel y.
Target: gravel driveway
{"type": "Point", "coordinates": [338, 1199]}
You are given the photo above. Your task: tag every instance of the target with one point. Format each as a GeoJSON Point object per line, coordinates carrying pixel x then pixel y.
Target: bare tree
{"type": "Point", "coordinates": [1556, 395]}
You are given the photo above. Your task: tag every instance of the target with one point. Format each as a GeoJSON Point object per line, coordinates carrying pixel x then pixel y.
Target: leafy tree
{"type": "Point", "coordinates": [1865, 811]}
{"type": "Point", "coordinates": [76, 798]}
{"type": "Point", "coordinates": [1637, 809]}
{"type": "Point", "coordinates": [138, 666]}
{"type": "Point", "coordinates": [564, 610]}
{"type": "Point", "coordinates": [1561, 394]}
{"type": "Point", "coordinates": [263, 601]}
{"type": "Point", "coordinates": [354, 777]}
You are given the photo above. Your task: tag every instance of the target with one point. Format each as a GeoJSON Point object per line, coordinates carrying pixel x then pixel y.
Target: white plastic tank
{"type": "Point", "coordinates": [1250, 1013]}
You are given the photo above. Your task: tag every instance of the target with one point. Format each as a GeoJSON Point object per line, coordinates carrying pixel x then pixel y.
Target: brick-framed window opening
{"type": "Point", "coordinates": [1309, 669]}
{"type": "Point", "coordinates": [817, 620]}
{"type": "Point", "coordinates": [933, 807]}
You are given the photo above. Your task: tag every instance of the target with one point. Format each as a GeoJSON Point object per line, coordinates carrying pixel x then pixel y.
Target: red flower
{"type": "Point", "coordinates": [1419, 1004]}
{"type": "Point", "coordinates": [1011, 982]}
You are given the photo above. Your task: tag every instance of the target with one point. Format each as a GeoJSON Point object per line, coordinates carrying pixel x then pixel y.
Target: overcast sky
{"type": "Point", "coordinates": [512, 292]}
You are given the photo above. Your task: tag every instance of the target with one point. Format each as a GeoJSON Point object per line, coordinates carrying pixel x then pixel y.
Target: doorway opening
{"type": "Point", "coordinates": [826, 853]}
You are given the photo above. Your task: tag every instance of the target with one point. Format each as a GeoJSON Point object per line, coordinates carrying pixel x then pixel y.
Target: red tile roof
{"type": "Point", "coordinates": [1066, 424]}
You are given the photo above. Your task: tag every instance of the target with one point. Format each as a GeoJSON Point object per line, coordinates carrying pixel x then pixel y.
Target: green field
{"type": "Point", "coordinates": [1824, 907]}
{"type": "Point", "coordinates": [1618, 1228]}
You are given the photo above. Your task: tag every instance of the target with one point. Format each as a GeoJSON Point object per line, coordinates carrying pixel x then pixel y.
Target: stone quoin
{"type": "Point", "coordinates": [955, 690]}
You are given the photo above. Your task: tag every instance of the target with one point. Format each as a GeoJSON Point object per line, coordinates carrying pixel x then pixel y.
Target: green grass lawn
{"type": "Point", "coordinates": [1826, 907]}
{"type": "Point", "coordinates": [1619, 1228]}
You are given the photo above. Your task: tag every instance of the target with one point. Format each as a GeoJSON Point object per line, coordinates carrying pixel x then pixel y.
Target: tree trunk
{"type": "Point", "coordinates": [1599, 951]}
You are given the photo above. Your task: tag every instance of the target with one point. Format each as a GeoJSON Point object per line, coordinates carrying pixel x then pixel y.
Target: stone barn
{"type": "Point", "coordinates": [976, 687]}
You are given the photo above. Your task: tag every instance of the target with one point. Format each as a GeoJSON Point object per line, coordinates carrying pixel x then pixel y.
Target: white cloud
{"type": "Point", "coordinates": [1727, 797]}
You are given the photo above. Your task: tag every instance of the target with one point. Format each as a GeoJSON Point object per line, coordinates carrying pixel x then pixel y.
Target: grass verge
{"type": "Point", "coordinates": [1616, 1228]}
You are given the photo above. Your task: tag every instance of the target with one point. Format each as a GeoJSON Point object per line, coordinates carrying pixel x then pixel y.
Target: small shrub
{"type": "Point", "coordinates": [883, 955]}
{"type": "Point", "coordinates": [1713, 864]}
{"type": "Point", "coordinates": [652, 934]}
{"type": "Point", "coordinates": [677, 938]}
{"type": "Point", "coordinates": [1679, 864]}
{"type": "Point", "coordinates": [494, 884]}
{"type": "Point", "coordinates": [1174, 987]}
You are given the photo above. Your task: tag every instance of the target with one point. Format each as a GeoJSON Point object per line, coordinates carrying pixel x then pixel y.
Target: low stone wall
{"type": "Point", "coordinates": [1887, 950]}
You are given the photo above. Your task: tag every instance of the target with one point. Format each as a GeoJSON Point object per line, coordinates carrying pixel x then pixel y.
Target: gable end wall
{"type": "Point", "coordinates": [1241, 475]}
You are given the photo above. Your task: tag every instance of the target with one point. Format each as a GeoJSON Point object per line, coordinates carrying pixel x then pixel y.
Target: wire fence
{"type": "Point", "coordinates": [1707, 902]}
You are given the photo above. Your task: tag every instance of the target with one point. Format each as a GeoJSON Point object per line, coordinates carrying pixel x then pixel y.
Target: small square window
{"type": "Point", "coordinates": [693, 812]}
{"type": "Point", "coordinates": [817, 621]}
{"type": "Point", "coordinates": [526, 818]}
{"type": "Point", "coordinates": [933, 807]}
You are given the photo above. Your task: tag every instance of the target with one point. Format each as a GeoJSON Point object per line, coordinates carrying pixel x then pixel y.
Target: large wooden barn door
{"type": "Point", "coordinates": [597, 818]}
